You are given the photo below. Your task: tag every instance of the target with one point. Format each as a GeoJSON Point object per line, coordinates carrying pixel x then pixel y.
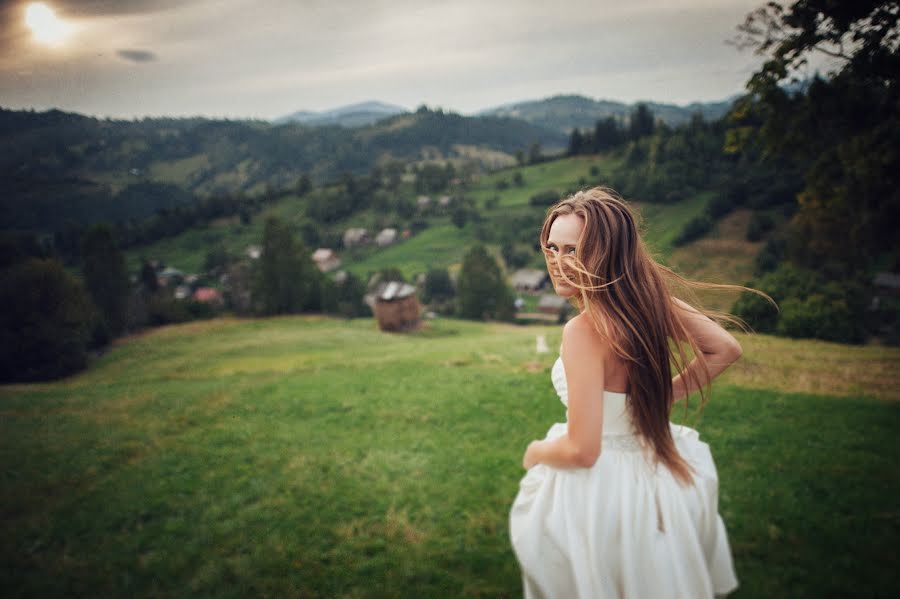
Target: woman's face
{"type": "Point", "coordinates": [561, 242]}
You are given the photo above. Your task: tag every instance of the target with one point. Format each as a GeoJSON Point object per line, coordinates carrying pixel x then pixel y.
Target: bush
{"type": "Point", "coordinates": [771, 255]}
{"type": "Point", "coordinates": [46, 319]}
{"type": "Point", "coordinates": [819, 317]}
{"type": "Point", "coordinates": [545, 198]}
{"type": "Point", "coordinates": [759, 225]}
{"type": "Point", "coordinates": [809, 305]}
{"type": "Point", "coordinates": [694, 229]}
{"type": "Point", "coordinates": [438, 285]}
{"type": "Point", "coordinates": [163, 308]}
{"type": "Point", "coordinates": [719, 206]}
{"type": "Point", "coordinates": [515, 256]}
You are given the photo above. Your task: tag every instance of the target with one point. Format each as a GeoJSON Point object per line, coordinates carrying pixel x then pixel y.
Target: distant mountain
{"type": "Point", "coordinates": [565, 112]}
{"type": "Point", "coordinates": [353, 115]}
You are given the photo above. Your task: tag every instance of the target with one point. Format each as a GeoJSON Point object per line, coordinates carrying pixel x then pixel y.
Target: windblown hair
{"type": "Point", "coordinates": [629, 298]}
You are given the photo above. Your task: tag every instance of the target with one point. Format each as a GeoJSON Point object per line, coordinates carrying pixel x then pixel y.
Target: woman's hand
{"type": "Point", "coordinates": [531, 455]}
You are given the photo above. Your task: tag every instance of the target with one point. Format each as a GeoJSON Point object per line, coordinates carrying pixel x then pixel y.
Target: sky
{"type": "Point", "coordinates": [267, 58]}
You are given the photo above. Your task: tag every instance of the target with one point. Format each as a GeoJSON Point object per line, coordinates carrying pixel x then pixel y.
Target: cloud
{"type": "Point", "coordinates": [136, 55]}
{"type": "Point", "coordinates": [93, 8]}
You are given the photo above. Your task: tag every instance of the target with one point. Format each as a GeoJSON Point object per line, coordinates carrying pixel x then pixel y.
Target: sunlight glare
{"type": "Point", "coordinates": [44, 24]}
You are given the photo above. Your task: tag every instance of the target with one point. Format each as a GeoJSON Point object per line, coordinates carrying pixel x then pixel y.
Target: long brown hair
{"type": "Point", "coordinates": [628, 297]}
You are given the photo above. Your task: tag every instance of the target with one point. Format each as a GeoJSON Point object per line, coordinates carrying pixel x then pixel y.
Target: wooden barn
{"type": "Point", "coordinates": [396, 307]}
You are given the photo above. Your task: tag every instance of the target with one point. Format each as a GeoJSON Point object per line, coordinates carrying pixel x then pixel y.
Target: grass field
{"type": "Point", "coordinates": [313, 457]}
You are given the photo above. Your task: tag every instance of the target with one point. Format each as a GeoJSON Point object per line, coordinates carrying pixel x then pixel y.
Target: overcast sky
{"type": "Point", "coordinates": [267, 58]}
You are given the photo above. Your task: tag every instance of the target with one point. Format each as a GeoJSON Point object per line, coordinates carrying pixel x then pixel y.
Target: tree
{"type": "Point", "coordinates": [459, 214]}
{"type": "Point", "coordinates": [641, 123]}
{"type": "Point", "coordinates": [576, 142]}
{"type": "Point", "coordinates": [106, 277]}
{"type": "Point", "coordinates": [288, 280]}
{"type": "Point", "coordinates": [45, 322]}
{"type": "Point", "coordinates": [535, 154]}
{"type": "Point", "coordinates": [304, 185]}
{"type": "Point", "coordinates": [482, 290]}
{"type": "Point", "coordinates": [842, 127]}
{"type": "Point", "coordinates": [438, 285]}
{"type": "Point", "coordinates": [149, 281]}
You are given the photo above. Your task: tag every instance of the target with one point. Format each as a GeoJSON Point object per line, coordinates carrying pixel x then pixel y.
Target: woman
{"type": "Point", "coordinates": [618, 501]}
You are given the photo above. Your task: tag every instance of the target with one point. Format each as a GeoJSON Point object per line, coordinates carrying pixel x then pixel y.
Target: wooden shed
{"type": "Point", "coordinates": [396, 307]}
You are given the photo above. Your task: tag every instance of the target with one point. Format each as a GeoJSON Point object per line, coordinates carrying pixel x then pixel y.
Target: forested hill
{"type": "Point", "coordinates": [58, 166]}
{"type": "Point", "coordinates": [566, 112]}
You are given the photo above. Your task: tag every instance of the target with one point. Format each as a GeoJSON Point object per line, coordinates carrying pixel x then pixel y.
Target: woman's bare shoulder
{"type": "Point", "coordinates": [580, 336]}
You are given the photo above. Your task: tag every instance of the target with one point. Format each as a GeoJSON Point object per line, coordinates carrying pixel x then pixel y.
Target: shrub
{"type": "Point", "coordinates": [45, 322]}
{"type": "Point", "coordinates": [694, 229]}
{"type": "Point", "coordinates": [771, 255]}
{"type": "Point", "coordinates": [719, 206]}
{"type": "Point", "coordinates": [809, 305]}
{"type": "Point", "coordinates": [545, 198]}
{"type": "Point", "coordinates": [438, 285]}
{"type": "Point", "coordinates": [760, 224]}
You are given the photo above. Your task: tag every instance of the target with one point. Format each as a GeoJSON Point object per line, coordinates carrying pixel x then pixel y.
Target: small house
{"type": "Point", "coordinates": [552, 304]}
{"type": "Point", "coordinates": [169, 277]}
{"type": "Point", "coordinates": [355, 236]}
{"type": "Point", "coordinates": [326, 260]}
{"type": "Point", "coordinates": [253, 252]}
{"type": "Point", "coordinates": [182, 292]}
{"type": "Point", "coordinates": [386, 237]}
{"type": "Point", "coordinates": [208, 295]}
{"type": "Point", "coordinates": [529, 280]}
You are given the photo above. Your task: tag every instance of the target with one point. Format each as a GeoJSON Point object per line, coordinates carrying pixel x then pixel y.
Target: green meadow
{"type": "Point", "coordinates": [442, 244]}
{"type": "Point", "coordinates": [317, 457]}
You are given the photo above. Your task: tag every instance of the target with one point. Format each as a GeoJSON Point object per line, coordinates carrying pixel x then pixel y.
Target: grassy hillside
{"type": "Point", "coordinates": [310, 457]}
{"type": "Point", "coordinates": [498, 202]}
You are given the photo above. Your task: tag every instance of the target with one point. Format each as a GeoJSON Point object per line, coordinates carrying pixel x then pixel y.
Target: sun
{"type": "Point", "coordinates": [45, 25]}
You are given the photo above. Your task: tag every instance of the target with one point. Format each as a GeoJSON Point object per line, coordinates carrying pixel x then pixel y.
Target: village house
{"type": "Point", "coordinates": [326, 260]}
{"type": "Point", "coordinates": [209, 295]}
{"type": "Point", "coordinates": [552, 304]}
{"type": "Point", "coordinates": [530, 280]}
{"type": "Point", "coordinates": [169, 276]}
{"type": "Point", "coordinates": [253, 252]}
{"type": "Point", "coordinates": [386, 237]}
{"type": "Point", "coordinates": [423, 201]}
{"type": "Point", "coordinates": [355, 236]}
{"type": "Point", "coordinates": [182, 292]}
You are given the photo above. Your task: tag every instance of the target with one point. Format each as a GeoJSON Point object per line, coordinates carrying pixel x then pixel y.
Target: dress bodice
{"type": "Point", "coordinates": [616, 419]}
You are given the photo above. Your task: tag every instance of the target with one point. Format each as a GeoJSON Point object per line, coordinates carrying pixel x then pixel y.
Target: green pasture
{"type": "Point", "coordinates": [316, 457]}
{"type": "Point", "coordinates": [439, 246]}
{"type": "Point", "coordinates": [568, 174]}
{"type": "Point", "coordinates": [442, 244]}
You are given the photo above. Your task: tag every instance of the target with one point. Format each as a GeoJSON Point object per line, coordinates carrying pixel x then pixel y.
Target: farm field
{"type": "Point", "coordinates": [318, 457]}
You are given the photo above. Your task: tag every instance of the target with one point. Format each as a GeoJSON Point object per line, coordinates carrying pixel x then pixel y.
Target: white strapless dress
{"type": "Point", "coordinates": [622, 528]}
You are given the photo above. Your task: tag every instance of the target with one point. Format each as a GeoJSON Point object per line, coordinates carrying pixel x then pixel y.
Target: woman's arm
{"type": "Point", "coordinates": [583, 355]}
{"type": "Point", "coordinates": [719, 348]}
